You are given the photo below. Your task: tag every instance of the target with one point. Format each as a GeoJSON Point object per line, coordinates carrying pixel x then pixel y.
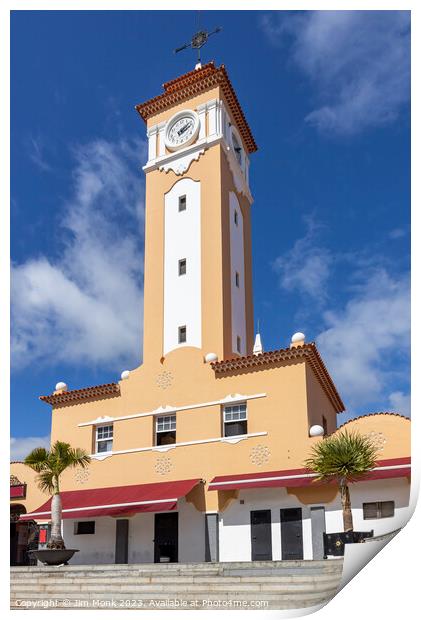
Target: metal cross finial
{"type": "Point", "coordinates": [198, 41]}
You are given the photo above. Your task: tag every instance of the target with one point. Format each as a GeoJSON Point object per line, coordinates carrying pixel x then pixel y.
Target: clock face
{"type": "Point", "coordinates": [181, 130]}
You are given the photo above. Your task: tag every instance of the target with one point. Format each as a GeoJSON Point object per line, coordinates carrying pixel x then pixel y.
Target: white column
{"type": "Point", "coordinates": [152, 134]}
{"type": "Point", "coordinates": [201, 110]}
{"type": "Point", "coordinates": [212, 117]}
{"type": "Point", "coordinates": [161, 131]}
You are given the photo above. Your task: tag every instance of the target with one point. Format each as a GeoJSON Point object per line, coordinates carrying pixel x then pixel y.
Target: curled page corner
{"type": "Point", "coordinates": [357, 555]}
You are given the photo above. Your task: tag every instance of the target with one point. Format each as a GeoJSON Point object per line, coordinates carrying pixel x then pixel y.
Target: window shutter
{"type": "Point", "coordinates": [387, 509]}
{"type": "Point", "coordinates": [370, 510]}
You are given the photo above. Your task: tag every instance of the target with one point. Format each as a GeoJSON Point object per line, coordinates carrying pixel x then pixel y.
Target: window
{"type": "Point", "coordinates": [236, 217]}
{"type": "Point", "coordinates": [84, 527]}
{"type": "Point", "coordinates": [182, 203]}
{"type": "Point", "coordinates": [237, 149]}
{"type": "Point", "coordinates": [165, 430]}
{"type": "Point", "coordinates": [237, 279]}
{"type": "Point", "coordinates": [324, 424]}
{"type": "Point", "coordinates": [104, 438]}
{"type": "Point", "coordinates": [235, 420]}
{"type": "Point", "coordinates": [378, 510]}
{"type": "Point", "coordinates": [182, 267]}
{"type": "Point", "coordinates": [182, 334]}
{"type": "Point", "coordinates": [238, 344]}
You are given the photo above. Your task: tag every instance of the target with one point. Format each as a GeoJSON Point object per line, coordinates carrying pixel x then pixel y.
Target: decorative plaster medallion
{"type": "Point", "coordinates": [82, 475]}
{"type": "Point", "coordinates": [259, 454]}
{"type": "Point", "coordinates": [378, 439]}
{"type": "Point", "coordinates": [163, 465]}
{"type": "Point", "coordinates": [181, 164]}
{"type": "Point", "coordinates": [164, 380]}
{"type": "Point", "coordinates": [14, 480]}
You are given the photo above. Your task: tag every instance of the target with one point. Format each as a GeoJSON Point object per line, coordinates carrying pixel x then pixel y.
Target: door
{"type": "Point", "coordinates": [261, 535]}
{"type": "Point", "coordinates": [292, 534]}
{"type": "Point", "coordinates": [166, 537]}
{"type": "Point", "coordinates": [318, 528]}
{"type": "Point", "coordinates": [121, 541]}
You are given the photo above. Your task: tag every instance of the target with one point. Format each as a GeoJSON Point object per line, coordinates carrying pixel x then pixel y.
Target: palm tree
{"type": "Point", "coordinates": [344, 457]}
{"type": "Point", "coordinates": [50, 464]}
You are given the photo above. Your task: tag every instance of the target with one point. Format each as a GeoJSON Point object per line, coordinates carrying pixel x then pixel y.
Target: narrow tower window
{"type": "Point", "coordinates": [237, 279]}
{"type": "Point", "coordinates": [182, 203]}
{"type": "Point", "coordinates": [238, 344]}
{"type": "Point", "coordinates": [182, 267]}
{"type": "Point", "coordinates": [236, 217]}
{"type": "Point", "coordinates": [182, 334]}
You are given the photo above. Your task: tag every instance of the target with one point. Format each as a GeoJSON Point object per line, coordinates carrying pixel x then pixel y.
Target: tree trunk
{"type": "Point", "coordinates": [56, 540]}
{"type": "Point", "coordinates": [346, 506]}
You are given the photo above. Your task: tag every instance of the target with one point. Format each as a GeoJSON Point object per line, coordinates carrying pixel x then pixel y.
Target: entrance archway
{"type": "Point", "coordinates": [23, 536]}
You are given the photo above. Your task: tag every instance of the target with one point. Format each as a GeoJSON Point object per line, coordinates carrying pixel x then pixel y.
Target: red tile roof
{"type": "Point", "coordinates": [191, 84]}
{"type": "Point", "coordinates": [96, 391]}
{"type": "Point", "coordinates": [368, 415]}
{"type": "Point", "coordinates": [308, 352]}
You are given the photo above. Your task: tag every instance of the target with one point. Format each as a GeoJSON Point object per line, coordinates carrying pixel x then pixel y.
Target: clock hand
{"type": "Point", "coordinates": [183, 129]}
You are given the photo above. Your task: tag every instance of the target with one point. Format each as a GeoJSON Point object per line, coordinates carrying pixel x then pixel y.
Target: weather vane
{"type": "Point", "coordinates": [198, 41]}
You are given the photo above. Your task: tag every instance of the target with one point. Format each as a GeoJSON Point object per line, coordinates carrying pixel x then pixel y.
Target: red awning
{"type": "Point", "coordinates": [387, 468]}
{"type": "Point", "coordinates": [117, 501]}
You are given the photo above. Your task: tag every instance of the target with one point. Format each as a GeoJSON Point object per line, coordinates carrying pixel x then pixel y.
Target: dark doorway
{"type": "Point", "coordinates": [121, 541]}
{"type": "Point", "coordinates": [261, 535]}
{"type": "Point", "coordinates": [23, 537]}
{"type": "Point", "coordinates": [166, 537]}
{"type": "Point", "coordinates": [292, 534]}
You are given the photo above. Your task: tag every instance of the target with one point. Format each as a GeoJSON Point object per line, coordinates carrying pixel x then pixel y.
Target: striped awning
{"type": "Point", "coordinates": [387, 468]}
{"type": "Point", "coordinates": [117, 501]}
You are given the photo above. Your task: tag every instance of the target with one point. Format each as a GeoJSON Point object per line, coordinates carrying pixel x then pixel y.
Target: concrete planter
{"type": "Point", "coordinates": [53, 557]}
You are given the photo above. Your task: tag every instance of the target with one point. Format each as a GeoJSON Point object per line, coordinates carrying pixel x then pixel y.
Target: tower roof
{"type": "Point", "coordinates": [193, 83]}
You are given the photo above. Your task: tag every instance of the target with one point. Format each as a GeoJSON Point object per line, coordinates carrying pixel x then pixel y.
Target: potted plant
{"type": "Point", "coordinates": [343, 458]}
{"type": "Point", "coordinates": [50, 464]}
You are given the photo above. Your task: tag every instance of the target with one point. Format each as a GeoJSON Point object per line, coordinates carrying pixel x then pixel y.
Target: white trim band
{"type": "Point", "coordinates": [228, 400]}
{"type": "Point", "coordinates": [171, 446]}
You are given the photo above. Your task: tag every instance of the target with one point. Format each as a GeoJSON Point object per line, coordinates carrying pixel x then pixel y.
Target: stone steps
{"type": "Point", "coordinates": [264, 585]}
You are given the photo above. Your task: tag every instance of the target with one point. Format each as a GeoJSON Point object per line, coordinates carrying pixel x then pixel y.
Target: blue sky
{"type": "Point", "coordinates": [327, 97]}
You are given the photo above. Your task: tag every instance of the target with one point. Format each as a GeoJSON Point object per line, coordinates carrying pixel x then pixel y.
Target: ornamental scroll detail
{"type": "Point", "coordinates": [164, 380]}
{"type": "Point", "coordinates": [82, 475]}
{"type": "Point", "coordinates": [163, 465]}
{"type": "Point", "coordinates": [260, 454]}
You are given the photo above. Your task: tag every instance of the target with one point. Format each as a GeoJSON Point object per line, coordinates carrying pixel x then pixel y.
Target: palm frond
{"type": "Point", "coordinates": [346, 455]}
{"type": "Point", "coordinates": [45, 481]}
{"type": "Point", "coordinates": [37, 459]}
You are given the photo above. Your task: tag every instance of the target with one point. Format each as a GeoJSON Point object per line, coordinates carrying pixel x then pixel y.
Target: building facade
{"type": "Point", "coordinates": [197, 454]}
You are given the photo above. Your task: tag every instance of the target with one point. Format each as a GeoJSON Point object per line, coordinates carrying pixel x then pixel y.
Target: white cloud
{"type": "Point", "coordinates": [20, 447]}
{"type": "Point", "coordinates": [400, 403]}
{"type": "Point", "coordinates": [306, 267]}
{"type": "Point", "coordinates": [366, 343]}
{"type": "Point", "coordinates": [358, 61]}
{"type": "Point", "coordinates": [85, 306]}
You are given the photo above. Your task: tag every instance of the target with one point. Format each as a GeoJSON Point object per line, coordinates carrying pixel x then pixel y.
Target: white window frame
{"type": "Point", "coordinates": [108, 438]}
{"type": "Point", "coordinates": [170, 421]}
{"type": "Point", "coordinates": [242, 415]}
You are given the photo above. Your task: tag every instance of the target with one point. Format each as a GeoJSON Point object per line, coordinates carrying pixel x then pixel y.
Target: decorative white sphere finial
{"type": "Point", "coordinates": [298, 337]}
{"type": "Point", "coordinates": [61, 386]}
{"type": "Point", "coordinates": [316, 430]}
{"type": "Point", "coordinates": [125, 374]}
{"type": "Point", "coordinates": [211, 357]}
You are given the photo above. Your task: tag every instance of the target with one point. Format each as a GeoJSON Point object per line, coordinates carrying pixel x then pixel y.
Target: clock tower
{"type": "Point", "coordinates": [198, 280]}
